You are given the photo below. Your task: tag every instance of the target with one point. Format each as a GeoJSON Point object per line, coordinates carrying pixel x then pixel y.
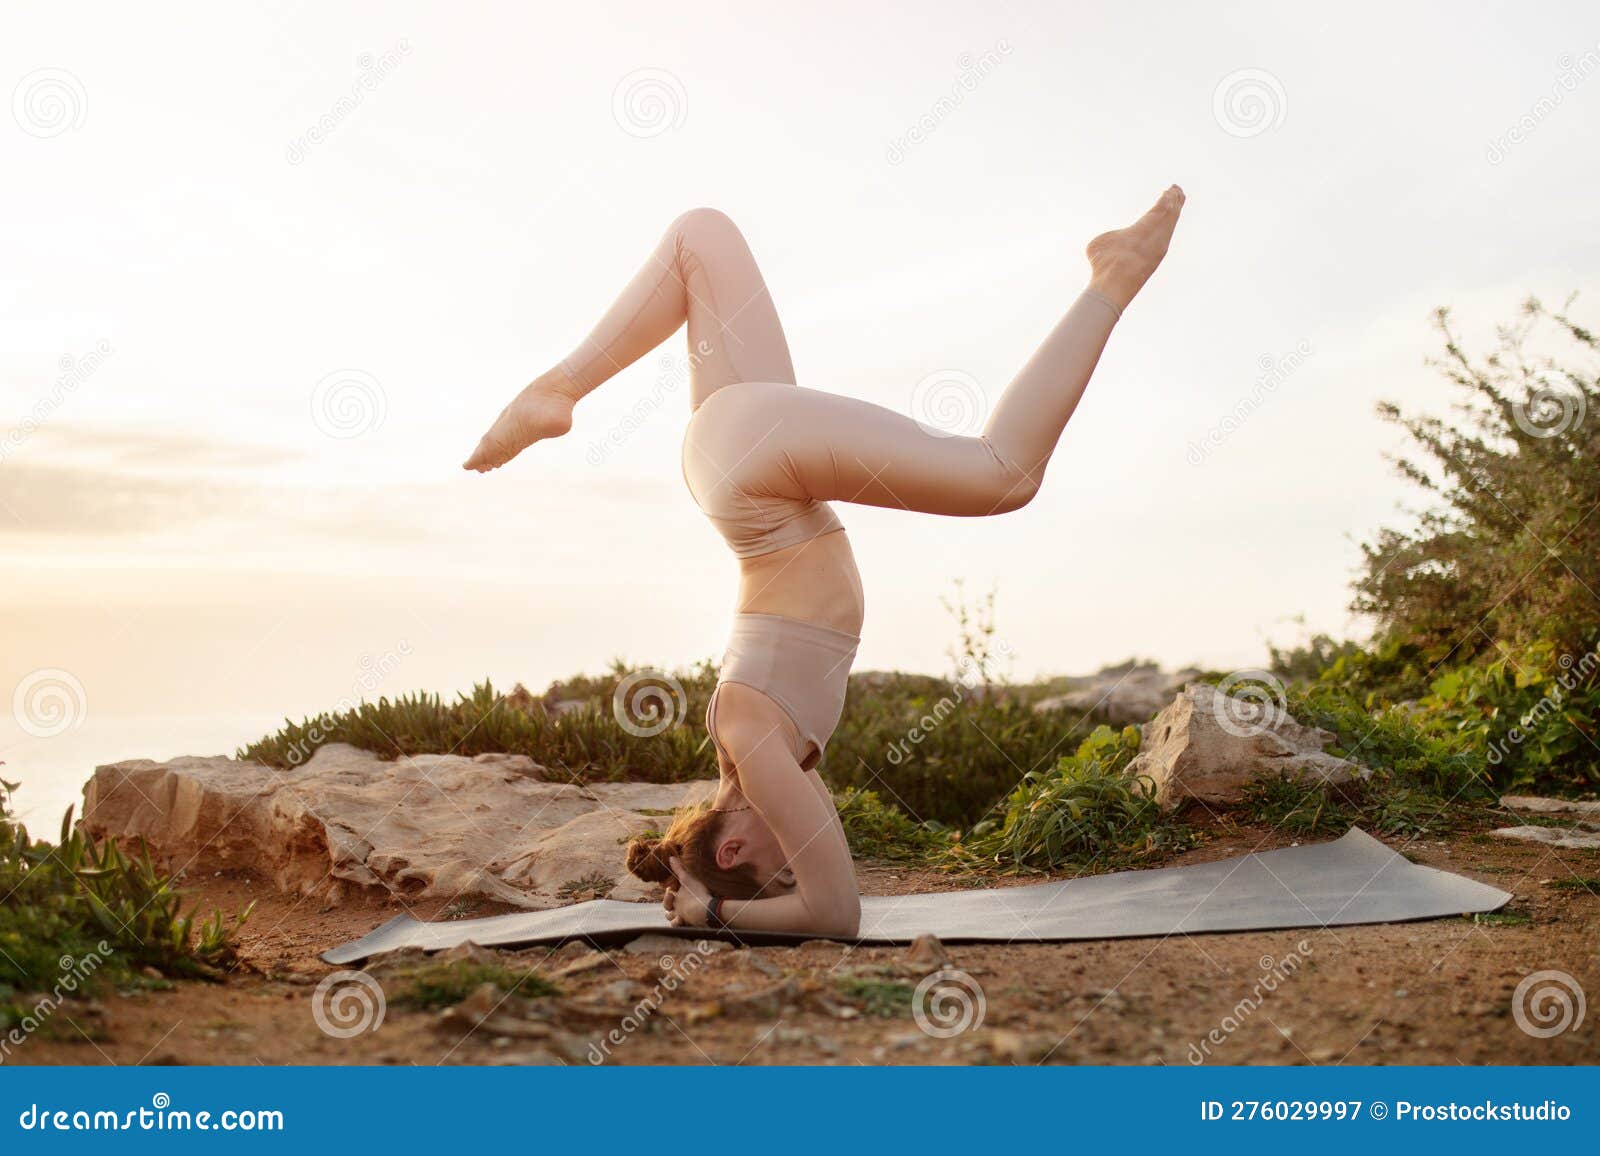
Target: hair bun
{"type": "Point", "coordinates": [649, 859]}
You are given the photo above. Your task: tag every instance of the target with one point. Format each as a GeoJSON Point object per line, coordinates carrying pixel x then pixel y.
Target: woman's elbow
{"type": "Point", "coordinates": [842, 920]}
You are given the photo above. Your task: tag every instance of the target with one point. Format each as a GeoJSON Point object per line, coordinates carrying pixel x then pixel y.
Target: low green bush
{"type": "Point", "coordinates": [78, 915]}
{"type": "Point", "coordinates": [1084, 812]}
{"type": "Point", "coordinates": [943, 752]}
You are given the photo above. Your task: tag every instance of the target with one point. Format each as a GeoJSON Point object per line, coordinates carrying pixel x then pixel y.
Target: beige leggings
{"type": "Point", "coordinates": [765, 456]}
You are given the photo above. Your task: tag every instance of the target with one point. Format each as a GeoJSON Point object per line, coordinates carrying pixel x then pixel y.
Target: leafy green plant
{"type": "Point", "coordinates": [878, 997]}
{"type": "Point", "coordinates": [879, 830]}
{"type": "Point", "coordinates": [1515, 472]}
{"type": "Point", "coordinates": [82, 914]}
{"type": "Point", "coordinates": [1085, 811]}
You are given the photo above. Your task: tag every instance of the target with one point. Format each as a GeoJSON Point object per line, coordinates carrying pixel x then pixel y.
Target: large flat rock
{"type": "Point", "coordinates": [427, 826]}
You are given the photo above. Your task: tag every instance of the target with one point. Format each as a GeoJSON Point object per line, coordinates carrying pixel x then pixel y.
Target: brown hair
{"type": "Point", "coordinates": [692, 838]}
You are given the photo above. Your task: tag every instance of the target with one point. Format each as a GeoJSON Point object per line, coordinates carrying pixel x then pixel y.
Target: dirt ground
{"type": "Point", "coordinates": [1436, 992]}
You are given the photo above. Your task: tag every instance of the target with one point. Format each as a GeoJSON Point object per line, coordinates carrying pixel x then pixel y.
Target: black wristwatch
{"type": "Point", "coordinates": [714, 913]}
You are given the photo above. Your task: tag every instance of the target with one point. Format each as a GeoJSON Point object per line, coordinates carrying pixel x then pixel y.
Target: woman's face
{"type": "Point", "coordinates": [747, 840]}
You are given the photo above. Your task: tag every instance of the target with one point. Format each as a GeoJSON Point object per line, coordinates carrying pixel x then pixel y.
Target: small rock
{"type": "Point", "coordinates": [584, 963]}
{"type": "Point", "coordinates": [1575, 838]}
{"type": "Point", "coordinates": [927, 954]}
{"type": "Point", "coordinates": [756, 963]}
{"type": "Point", "coordinates": [655, 943]}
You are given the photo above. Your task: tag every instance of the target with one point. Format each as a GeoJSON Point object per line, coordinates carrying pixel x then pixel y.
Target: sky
{"type": "Point", "coordinates": [271, 270]}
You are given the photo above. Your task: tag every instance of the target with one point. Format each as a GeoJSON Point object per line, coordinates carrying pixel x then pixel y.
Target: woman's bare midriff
{"type": "Point", "coordinates": [815, 581]}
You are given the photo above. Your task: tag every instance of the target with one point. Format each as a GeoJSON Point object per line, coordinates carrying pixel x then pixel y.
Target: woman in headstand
{"type": "Point", "coordinates": [763, 457]}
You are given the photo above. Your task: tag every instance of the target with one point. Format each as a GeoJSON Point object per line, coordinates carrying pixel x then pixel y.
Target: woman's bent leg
{"type": "Point", "coordinates": [702, 272]}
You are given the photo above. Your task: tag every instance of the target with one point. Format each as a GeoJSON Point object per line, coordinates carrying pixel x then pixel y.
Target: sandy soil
{"type": "Point", "coordinates": [1434, 992]}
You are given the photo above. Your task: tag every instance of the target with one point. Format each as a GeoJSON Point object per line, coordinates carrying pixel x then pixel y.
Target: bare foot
{"type": "Point", "coordinates": [543, 410]}
{"type": "Point", "coordinates": [1123, 259]}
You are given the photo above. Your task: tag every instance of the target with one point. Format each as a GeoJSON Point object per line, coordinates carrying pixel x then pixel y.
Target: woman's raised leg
{"type": "Point", "coordinates": [701, 272]}
{"type": "Point", "coordinates": [802, 444]}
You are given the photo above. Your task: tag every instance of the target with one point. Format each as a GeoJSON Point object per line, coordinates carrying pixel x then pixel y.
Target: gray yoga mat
{"type": "Point", "coordinates": [1354, 879]}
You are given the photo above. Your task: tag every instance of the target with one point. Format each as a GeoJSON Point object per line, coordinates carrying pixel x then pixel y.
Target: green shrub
{"type": "Point", "coordinates": [1085, 812]}
{"type": "Point", "coordinates": [78, 915]}
{"type": "Point", "coordinates": [879, 830]}
{"type": "Point", "coordinates": [942, 751]}
{"type": "Point", "coordinates": [1528, 720]}
{"type": "Point", "coordinates": [1509, 557]}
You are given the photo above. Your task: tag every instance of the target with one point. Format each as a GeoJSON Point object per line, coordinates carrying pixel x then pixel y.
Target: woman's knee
{"type": "Point", "coordinates": [705, 226]}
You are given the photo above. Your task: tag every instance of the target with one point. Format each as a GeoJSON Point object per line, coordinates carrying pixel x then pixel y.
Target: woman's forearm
{"type": "Point", "coordinates": [839, 919]}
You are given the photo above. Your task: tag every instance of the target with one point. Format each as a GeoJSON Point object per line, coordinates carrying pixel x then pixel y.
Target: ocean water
{"type": "Point", "coordinates": [53, 770]}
